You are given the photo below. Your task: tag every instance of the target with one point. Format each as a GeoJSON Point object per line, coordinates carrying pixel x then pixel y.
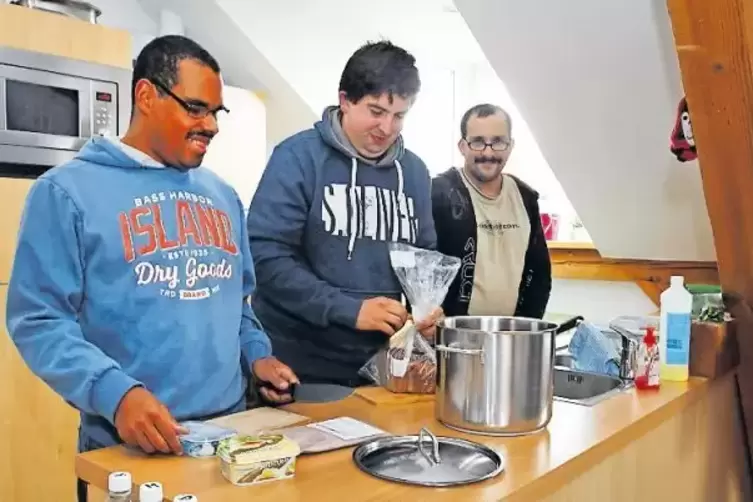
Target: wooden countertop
{"type": "Point", "coordinates": [576, 439]}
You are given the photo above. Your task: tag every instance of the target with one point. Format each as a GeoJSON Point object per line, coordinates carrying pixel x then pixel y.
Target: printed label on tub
{"type": "Point", "coordinates": [248, 460]}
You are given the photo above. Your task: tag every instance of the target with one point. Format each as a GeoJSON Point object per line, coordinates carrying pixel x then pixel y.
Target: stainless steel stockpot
{"type": "Point", "coordinates": [495, 374]}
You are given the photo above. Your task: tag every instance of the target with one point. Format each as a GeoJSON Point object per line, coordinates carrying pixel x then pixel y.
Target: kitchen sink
{"type": "Point", "coordinates": [564, 360]}
{"type": "Point", "coordinates": [580, 387]}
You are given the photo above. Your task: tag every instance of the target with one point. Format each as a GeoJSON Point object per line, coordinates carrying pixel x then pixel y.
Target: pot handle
{"type": "Point", "coordinates": [568, 325]}
{"type": "Point", "coordinates": [456, 350]}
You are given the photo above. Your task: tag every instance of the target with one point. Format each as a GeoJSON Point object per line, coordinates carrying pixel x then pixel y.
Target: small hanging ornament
{"type": "Point", "coordinates": [682, 142]}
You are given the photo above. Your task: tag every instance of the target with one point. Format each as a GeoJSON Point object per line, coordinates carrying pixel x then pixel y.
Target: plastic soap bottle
{"type": "Point", "coordinates": [647, 375]}
{"type": "Point", "coordinates": [119, 487]}
{"type": "Point", "coordinates": [674, 331]}
{"type": "Point", "coordinates": [151, 492]}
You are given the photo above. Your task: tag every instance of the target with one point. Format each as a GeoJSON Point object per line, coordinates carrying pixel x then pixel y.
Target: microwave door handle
{"type": "Point", "coordinates": [85, 111]}
{"type": "Point", "coordinates": [3, 106]}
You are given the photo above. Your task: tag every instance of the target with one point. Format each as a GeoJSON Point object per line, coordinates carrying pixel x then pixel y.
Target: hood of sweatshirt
{"type": "Point", "coordinates": [332, 133]}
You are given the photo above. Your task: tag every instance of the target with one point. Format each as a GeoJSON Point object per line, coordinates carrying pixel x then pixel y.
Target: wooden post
{"type": "Point", "coordinates": [714, 40]}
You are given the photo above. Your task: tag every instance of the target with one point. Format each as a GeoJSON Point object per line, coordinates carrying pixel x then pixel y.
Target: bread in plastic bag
{"type": "Point", "coordinates": [408, 363]}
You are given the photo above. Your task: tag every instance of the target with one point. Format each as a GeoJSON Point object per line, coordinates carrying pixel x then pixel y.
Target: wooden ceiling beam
{"type": "Point", "coordinates": [714, 41]}
{"type": "Point", "coordinates": [652, 276]}
{"type": "Point", "coordinates": [715, 48]}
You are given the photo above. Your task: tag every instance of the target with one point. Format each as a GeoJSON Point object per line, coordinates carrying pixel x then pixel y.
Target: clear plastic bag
{"type": "Point", "coordinates": [408, 363]}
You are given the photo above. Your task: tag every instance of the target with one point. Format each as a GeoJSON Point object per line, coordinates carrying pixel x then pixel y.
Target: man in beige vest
{"type": "Point", "coordinates": [491, 221]}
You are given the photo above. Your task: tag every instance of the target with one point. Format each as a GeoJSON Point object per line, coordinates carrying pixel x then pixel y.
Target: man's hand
{"type": "Point", "coordinates": [278, 375]}
{"type": "Point", "coordinates": [143, 421]}
{"type": "Point", "coordinates": [428, 327]}
{"type": "Point", "coordinates": [381, 314]}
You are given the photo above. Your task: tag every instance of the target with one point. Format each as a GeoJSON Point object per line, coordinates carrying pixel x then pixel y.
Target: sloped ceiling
{"type": "Point", "coordinates": [598, 83]}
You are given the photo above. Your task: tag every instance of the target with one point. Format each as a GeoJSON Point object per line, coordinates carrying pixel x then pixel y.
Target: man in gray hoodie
{"type": "Point", "coordinates": [330, 200]}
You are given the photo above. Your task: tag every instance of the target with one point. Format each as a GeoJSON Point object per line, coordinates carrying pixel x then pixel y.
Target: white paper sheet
{"type": "Point", "coordinates": [347, 428]}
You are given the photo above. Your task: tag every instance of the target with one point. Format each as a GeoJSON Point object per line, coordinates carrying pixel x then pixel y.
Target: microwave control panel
{"type": "Point", "coordinates": [104, 109]}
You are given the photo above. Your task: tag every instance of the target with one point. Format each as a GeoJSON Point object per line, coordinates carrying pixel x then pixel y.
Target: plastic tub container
{"type": "Point", "coordinates": [249, 460]}
{"type": "Point", "coordinates": [203, 438]}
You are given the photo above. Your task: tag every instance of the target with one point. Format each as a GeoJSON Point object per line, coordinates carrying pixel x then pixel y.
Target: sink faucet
{"type": "Point", "coordinates": [629, 353]}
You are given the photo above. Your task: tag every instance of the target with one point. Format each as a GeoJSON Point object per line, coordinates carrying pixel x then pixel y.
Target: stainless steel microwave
{"type": "Point", "coordinates": [51, 105]}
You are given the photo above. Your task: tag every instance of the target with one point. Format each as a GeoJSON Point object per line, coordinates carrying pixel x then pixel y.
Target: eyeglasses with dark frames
{"type": "Point", "coordinates": [479, 145]}
{"type": "Point", "coordinates": [194, 110]}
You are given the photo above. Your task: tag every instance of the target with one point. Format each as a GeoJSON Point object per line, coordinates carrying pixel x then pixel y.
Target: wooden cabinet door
{"type": "Point", "coordinates": [38, 431]}
{"type": "Point", "coordinates": [12, 198]}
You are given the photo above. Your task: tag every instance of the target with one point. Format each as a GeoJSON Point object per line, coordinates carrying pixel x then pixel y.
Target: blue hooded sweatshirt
{"type": "Point", "coordinates": [131, 274]}
{"type": "Point", "coordinates": [320, 222]}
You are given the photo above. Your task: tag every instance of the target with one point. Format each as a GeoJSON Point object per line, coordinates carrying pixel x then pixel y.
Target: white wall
{"type": "Point", "coordinates": [238, 153]}
{"type": "Point", "coordinates": [599, 301]}
{"type": "Point", "coordinates": [130, 16]}
{"type": "Point", "coordinates": [243, 65]}
{"type": "Point", "coordinates": [598, 84]}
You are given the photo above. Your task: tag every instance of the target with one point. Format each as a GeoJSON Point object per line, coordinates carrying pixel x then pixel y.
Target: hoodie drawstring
{"type": "Point", "coordinates": [399, 178]}
{"type": "Point", "coordinates": [353, 198]}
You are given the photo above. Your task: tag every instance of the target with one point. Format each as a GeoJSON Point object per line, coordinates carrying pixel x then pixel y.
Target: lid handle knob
{"type": "Point", "coordinates": [434, 458]}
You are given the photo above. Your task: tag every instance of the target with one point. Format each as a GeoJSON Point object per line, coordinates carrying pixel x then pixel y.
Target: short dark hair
{"type": "Point", "coordinates": [482, 110]}
{"type": "Point", "coordinates": [159, 60]}
{"type": "Point", "coordinates": [377, 68]}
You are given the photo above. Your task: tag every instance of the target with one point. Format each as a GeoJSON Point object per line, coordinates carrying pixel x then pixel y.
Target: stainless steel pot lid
{"type": "Point", "coordinates": [427, 460]}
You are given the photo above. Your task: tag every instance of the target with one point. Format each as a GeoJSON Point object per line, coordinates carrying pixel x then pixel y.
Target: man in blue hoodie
{"type": "Point", "coordinates": [329, 201]}
{"type": "Point", "coordinates": [129, 286]}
